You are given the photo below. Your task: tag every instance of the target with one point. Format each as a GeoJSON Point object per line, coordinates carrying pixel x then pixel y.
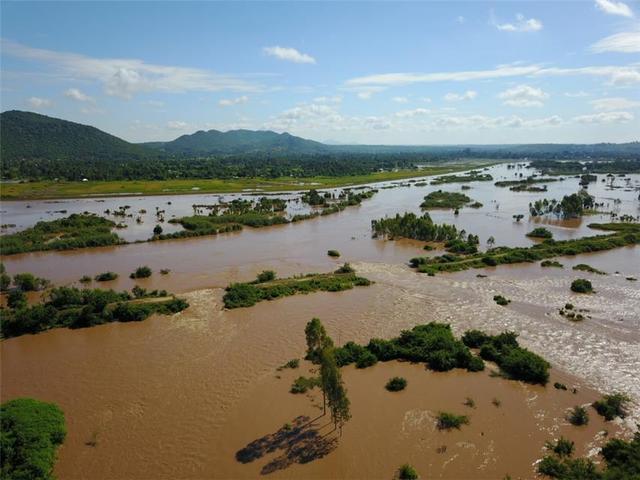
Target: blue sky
{"type": "Point", "coordinates": [358, 72]}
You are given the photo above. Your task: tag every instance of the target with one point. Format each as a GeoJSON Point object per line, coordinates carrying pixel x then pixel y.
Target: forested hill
{"type": "Point", "coordinates": [233, 142]}
{"type": "Point", "coordinates": [31, 136]}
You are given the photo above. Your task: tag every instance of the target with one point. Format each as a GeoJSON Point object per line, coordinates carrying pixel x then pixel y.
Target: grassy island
{"type": "Point", "coordinates": [625, 234]}
{"type": "Point", "coordinates": [269, 287]}
{"type": "Point", "coordinates": [440, 199]}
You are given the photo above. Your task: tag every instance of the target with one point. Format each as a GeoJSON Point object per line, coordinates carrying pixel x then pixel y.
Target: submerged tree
{"type": "Point", "coordinates": [317, 339]}
{"type": "Point", "coordinates": [333, 388]}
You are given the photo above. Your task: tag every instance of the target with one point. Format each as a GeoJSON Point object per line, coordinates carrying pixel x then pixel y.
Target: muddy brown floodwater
{"type": "Point", "coordinates": [197, 395]}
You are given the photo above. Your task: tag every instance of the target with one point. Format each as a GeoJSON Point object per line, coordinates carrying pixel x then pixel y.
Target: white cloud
{"type": "Point", "coordinates": [617, 75]}
{"type": "Point", "coordinates": [289, 54]}
{"type": "Point", "coordinates": [412, 113]}
{"type": "Point", "coordinates": [458, 97]}
{"type": "Point", "coordinates": [522, 24]}
{"type": "Point", "coordinates": [365, 93]}
{"type": "Point", "coordinates": [400, 99]}
{"type": "Point", "coordinates": [227, 102]}
{"type": "Point", "coordinates": [460, 19]}
{"type": "Point", "coordinates": [335, 99]}
{"type": "Point", "coordinates": [614, 8]}
{"type": "Point", "coordinates": [605, 117]}
{"type": "Point", "coordinates": [177, 125]}
{"type": "Point", "coordinates": [75, 94]}
{"type": "Point", "coordinates": [625, 42]}
{"type": "Point", "coordinates": [125, 77]}
{"type": "Point", "coordinates": [37, 102]}
{"type": "Point", "coordinates": [614, 103]}
{"type": "Point", "coordinates": [523, 96]}
{"type": "Point", "coordinates": [578, 94]}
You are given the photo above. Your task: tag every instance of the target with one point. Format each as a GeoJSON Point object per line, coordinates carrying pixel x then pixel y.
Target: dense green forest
{"type": "Point", "coordinates": [37, 147]}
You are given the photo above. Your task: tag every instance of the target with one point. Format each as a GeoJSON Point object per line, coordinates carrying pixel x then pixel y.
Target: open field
{"type": "Point", "coordinates": [51, 190]}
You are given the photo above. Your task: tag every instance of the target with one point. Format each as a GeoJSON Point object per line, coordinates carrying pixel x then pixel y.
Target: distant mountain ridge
{"type": "Point", "coordinates": [237, 142]}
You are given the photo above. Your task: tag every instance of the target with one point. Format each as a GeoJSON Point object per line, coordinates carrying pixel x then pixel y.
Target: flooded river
{"type": "Point", "coordinates": [185, 396]}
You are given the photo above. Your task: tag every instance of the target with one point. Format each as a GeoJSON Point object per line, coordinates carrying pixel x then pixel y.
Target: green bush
{"type": "Point", "coordinates": [333, 253]}
{"type": "Point", "coordinates": [28, 282]}
{"type": "Point", "coordinates": [141, 272]}
{"type": "Point", "coordinates": [500, 300]}
{"type": "Point", "coordinates": [266, 276]}
{"type": "Point", "coordinates": [578, 416]}
{"type": "Point", "coordinates": [581, 285]}
{"type": "Point", "coordinates": [612, 406]}
{"type": "Point", "coordinates": [396, 384]}
{"type": "Point", "coordinates": [31, 433]}
{"type": "Point", "coordinates": [407, 472]}
{"type": "Point", "coordinates": [474, 338]}
{"type": "Point", "coordinates": [106, 277]}
{"type": "Point", "coordinates": [562, 447]}
{"type": "Point", "coordinates": [583, 267]}
{"type": "Point", "coordinates": [303, 384]}
{"type": "Point", "coordinates": [447, 421]}
{"type": "Point", "coordinates": [540, 232]}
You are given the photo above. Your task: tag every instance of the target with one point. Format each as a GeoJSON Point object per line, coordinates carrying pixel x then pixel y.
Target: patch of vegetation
{"type": "Point", "coordinates": [75, 231]}
{"type": "Point", "coordinates": [448, 421]}
{"type": "Point", "coordinates": [106, 277]}
{"type": "Point", "coordinates": [540, 232]}
{"type": "Point", "coordinates": [141, 272]}
{"type": "Point", "coordinates": [559, 386]}
{"type": "Point", "coordinates": [32, 431]}
{"type": "Point", "coordinates": [500, 300]}
{"type": "Point", "coordinates": [571, 206]}
{"type": "Point", "coordinates": [333, 253]}
{"type": "Point", "coordinates": [75, 308]}
{"type": "Point", "coordinates": [515, 362]}
{"type": "Point", "coordinates": [518, 185]}
{"type": "Point", "coordinates": [248, 294]}
{"type": "Point", "coordinates": [472, 176]}
{"type": "Point", "coordinates": [440, 199]}
{"type": "Point", "coordinates": [581, 285]}
{"type": "Point", "coordinates": [583, 267]}
{"type": "Point", "coordinates": [625, 234]}
{"type": "Point", "coordinates": [304, 384]}
{"type": "Point", "coordinates": [612, 406]}
{"type": "Point", "coordinates": [562, 447]}
{"type": "Point", "coordinates": [28, 282]}
{"type": "Point", "coordinates": [407, 472]}
{"type": "Point", "coordinates": [396, 384]}
{"type": "Point", "coordinates": [292, 364]}
{"type": "Point", "coordinates": [551, 263]}
{"type": "Point", "coordinates": [410, 225]}
{"type": "Point", "coordinates": [85, 279]}
{"type": "Point", "coordinates": [578, 416]}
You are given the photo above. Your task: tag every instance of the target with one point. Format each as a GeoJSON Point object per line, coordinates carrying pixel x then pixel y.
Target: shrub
{"type": "Point", "coordinates": [293, 364]}
{"type": "Point", "coordinates": [366, 359]}
{"type": "Point", "coordinates": [346, 268]}
{"type": "Point", "coordinates": [303, 384]}
{"type": "Point", "coordinates": [583, 267]}
{"type": "Point", "coordinates": [500, 300]}
{"type": "Point", "coordinates": [612, 406]}
{"type": "Point", "coordinates": [31, 433]}
{"type": "Point", "coordinates": [28, 282]}
{"type": "Point", "coordinates": [447, 421]}
{"type": "Point", "coordinates": [578, 416]}
{"type": "Point", "coordinates": [106, 277]}
{"type": "Point", "coordinates": [407, 472]}
{"type": "Point", "coordinates": [474, 338]}
{"type": "Point", "coordinates": [551, 263]}
{"type": "Point", "coordinates": [85, 279]}
{"type": "Point", "coordinates": [559, 386]}
{"type": "Point", "coordinates": [521, 364]}
{"type": "Point", "coordinates": [475, 364]}
{"type": "Point", "coordinates": [16, 299]}
{"type": "Point", "coordinates": [165, 271]}
{"type": "Point", "coordinates": [333, 253]}
{"type": "Point", "coordinates": [581, 285]}
{"type": "Point", "coordinates": [157, 230]}
{"type": "Point", "coordinates": [396, 384]}
{"type": "Point", "coordinates": [266, 276]}
{"type": "Point", "coordinates": [562, 447]}
{"type": "Point", "coordinates": [141, 272]}
{"type": "Point", "coordinates": [540, 232]}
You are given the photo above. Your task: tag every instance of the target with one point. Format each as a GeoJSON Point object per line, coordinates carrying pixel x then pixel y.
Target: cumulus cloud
{"type": "Point", "coordinates": [605, 117]}
{"type": "Point", "coordinates": [523, 96]}
{"type": "Point", "coordinates": [614, 103]}
{"type": "Point", "coordinates": [288, 54]}
{"type": "Point", "coordinates": [125, 77]}
{"type": "Point", "coordinates": [614, 8]}
{"type": "Point", "coordinates": [412, 113]}
{"type": "Point", "coordinates": [522, 24]}
{"type": "Point", "coordinates": [459, 97]}
{"type": "Point", "coordinates": [624, 42]}
{"type": "Point", "coordinates": [334, 99]}
{"type": "Point", "coordinates": [228, 102]}
{"type": "Point", "coordinates": [77, 95]}
{"type": "Point", "coordinates": [37, 102]}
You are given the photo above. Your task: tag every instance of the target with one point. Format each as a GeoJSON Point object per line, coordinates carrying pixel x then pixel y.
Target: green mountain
{"type": "Point", "coordinates": [31, 136]}
{"type": "Point", "coordinates": [238, 142]}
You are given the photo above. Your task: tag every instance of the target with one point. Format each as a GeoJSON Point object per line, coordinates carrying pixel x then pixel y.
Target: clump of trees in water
{"type": "Point", "coordinates": [551, 263]}
{"type": "Point", "coordinates": [612, 406]}
{"type": "Point", "coordinates": [581, 285]}
{"type": "Point", "coordinates": [571, 206]}
{"type": "Point", "coordinates": [407, 472]}
{"type": "Point", "coordinates": [514, 361]}
{"type": "Point", "coordinates": [141, 272]}
{"type": "Point", "coordinates": [500, 300]}
{"type": "Point", "coordinates": [625, 234]}
{"type": "Point", "coordinates": [583, 267]}
{"type": "Point", "coordinates": [472, 176]}
{"type": "Point", "coordinates": [440, 199]}
{"type": "Point", "coordinates": [105, 277]}
{"type": "Point", "coordinates": [540, 232]}
{"type": "Point", "coordinates": [396, 384]}
{"type": "Point", "coordinates": [448, 421]}
{"type": "Point", "coordinates": [32, 431]}
{"type": "Point", "coordinates": [333, 253]}
{"type": "Point", "coordinates": [75, 231]}
{"type": "Point", "coordinates": [410, 225]}
{"type": "Point", "coordinates": [77, 308]}
{"type": "Point", "coordinates": [263, 288]}
{"type": "Point", "coordinates": [621, 461]}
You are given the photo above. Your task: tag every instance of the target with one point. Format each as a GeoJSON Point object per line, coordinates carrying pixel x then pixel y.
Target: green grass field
{"type": "Point", "coordinates": [51, 189]}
